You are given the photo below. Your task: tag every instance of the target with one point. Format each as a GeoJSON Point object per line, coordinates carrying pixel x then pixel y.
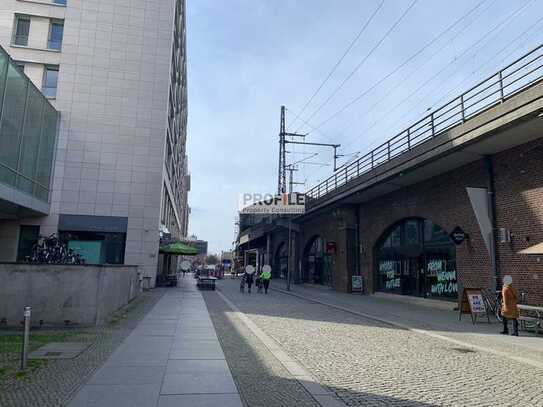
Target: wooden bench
{"type": "Point", "coordinates": [535, 316]}
{"type": "Point", "coordinates": [206, 283]}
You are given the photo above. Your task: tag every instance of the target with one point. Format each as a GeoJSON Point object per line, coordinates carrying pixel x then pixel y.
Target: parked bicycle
{"type": "Point", "coordinates": [51, 250]}
{"type": "Point", "coordinates": [493, 302]}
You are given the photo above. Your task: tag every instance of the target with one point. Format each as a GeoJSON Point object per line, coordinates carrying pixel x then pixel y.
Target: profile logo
{"type": "Point", "coordinates": [286, 203]}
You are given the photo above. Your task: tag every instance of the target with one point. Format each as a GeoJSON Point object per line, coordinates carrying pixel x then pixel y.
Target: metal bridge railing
{"type": "Point", "coordinates": [510, 80]}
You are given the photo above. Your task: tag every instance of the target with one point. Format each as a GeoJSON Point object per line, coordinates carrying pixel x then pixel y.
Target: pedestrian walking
{"type": "Point", "coordinates": [249, 279]}
{"type": "Point", "coordinates": [258, 284]}
{"type": "Point", "coordinates": [265, 278]}
{"type": "Point", "coordinates": [510, 309]}
{"type": "Point", "coordinates": [242, 284]}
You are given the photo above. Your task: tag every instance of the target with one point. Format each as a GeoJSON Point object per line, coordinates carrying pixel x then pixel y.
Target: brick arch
{"type": "Point", "coordinates": [420, 255]}
{"type": "Point", "coordinates": [276, 269]}
{"type": "Point", "coordinates": [308, 244]}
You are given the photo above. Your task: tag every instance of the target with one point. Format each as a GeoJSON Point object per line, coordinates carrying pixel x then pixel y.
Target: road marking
{"type": "Point", "coordinates": [322, 396]}
{"type": "Point", "coordinates": [519, 359]}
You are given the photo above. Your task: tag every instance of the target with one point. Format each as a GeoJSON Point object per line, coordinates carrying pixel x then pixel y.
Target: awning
{"type": "Point", "coordinates": [178, 248]}
{"type": "Point", "coordinates": [535, 249]}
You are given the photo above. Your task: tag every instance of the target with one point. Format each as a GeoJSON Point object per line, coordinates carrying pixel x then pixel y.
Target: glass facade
{"type": "Point", "coordinates": [28, 130]}
{"type": "Point", "coordinates": [176, 161]}
{"type": "Point", "coordinates": [417, 257]}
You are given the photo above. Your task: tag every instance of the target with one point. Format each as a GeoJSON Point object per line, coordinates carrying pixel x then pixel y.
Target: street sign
{"type": "Point", "coordinates": [458, 235]}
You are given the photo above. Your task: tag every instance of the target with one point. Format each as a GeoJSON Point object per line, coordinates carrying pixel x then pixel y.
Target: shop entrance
{"type": "Point", "coordinates": [316, 266]}
{"type": "Point", "coordinates": [416, 257]}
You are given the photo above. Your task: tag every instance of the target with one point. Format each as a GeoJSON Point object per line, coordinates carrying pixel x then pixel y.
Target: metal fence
{"type": "Point", "coordinates": [510, 80]}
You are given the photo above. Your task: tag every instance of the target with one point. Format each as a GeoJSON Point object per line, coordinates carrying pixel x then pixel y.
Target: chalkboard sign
{"type": "Point", "coordinates": [356, 284]}
{"type": "Point", "coordinates": [472, 303]}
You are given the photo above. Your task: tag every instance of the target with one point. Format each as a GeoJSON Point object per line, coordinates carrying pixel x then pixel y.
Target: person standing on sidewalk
{"type": "Point", "coordinates": [509, 305]}
{"type": "Point", "coordinates": [265, 278]}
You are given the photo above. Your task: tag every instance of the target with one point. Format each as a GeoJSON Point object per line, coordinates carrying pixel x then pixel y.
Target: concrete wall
{"type": "Point", "coordinates": [85, 295]}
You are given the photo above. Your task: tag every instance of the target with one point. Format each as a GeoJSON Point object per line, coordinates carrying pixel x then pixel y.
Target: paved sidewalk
{"type": "Point", "coordinates": [527, 348]}
{"type": "Point", "coordinates": [172, 358]}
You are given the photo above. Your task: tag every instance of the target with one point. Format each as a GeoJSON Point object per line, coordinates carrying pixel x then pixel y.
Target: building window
{"type": "Point", "coordinates": [56, 31]}
{"type": "Point", "coordinates": [417, 257]}
{"type": "Point", "coordinates": [50, 81]}
{"type": "Point", "coordinates": [61, 2]}
{"type": "Point", "coordinates": [22, 28]}
{"type": "Point", "coordinates": [96, 247]}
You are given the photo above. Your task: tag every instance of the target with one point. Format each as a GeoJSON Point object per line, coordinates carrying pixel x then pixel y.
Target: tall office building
{"type": "Point", "coordinates": [116, 72]}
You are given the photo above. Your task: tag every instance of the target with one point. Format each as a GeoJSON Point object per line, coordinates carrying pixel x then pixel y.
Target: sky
{"type": "Point", "coordinates": [247, 58]}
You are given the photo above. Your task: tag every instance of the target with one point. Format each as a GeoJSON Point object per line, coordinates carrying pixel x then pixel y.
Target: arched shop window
{"type": "Point", "coordinates": [316, 264]}
{"type": "Point", "coordinates": [416, 257]}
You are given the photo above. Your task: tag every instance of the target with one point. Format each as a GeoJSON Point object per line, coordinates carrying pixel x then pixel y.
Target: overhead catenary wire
{"type": "Point", "coordinates": [364, 59]}
{"type": "Point", "coordinates": [408, 60]}
{"type": "Point", "coordinates": [400, 66]}
{"type": "Point", "coordinates": [340, 60]}
{"type": "Point", "coordinates": [500, 25]}
{"type": "Point", "coordinates": [496, 27]}
{"type": "Point", "coordinates": [428, 59]}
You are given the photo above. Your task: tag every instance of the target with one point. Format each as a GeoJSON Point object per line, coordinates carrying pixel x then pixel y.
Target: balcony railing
{"type": "Point", "coordinates": [510, 80]}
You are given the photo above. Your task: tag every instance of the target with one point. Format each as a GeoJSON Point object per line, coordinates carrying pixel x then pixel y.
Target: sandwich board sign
{"type": "Point", "coordinates": [472, 303]}
{"type": "Point", "coordinates": [356, 283]}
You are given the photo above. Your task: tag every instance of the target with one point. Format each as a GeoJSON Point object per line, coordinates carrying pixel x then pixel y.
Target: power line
{"type": "Point", "coordinates": [311, 126]}
{"type": "Point", "coordinates": [408, 60]}
{"type": "Point", "coordinates": [428, 59]}
{"type": "Point", "coordinates": [349, 48]}
{"type": "Point", "coordinates": [375, 47]}
{"type": "Point", "coordinates": [500, 25]}
{"type": "Point", "coordinates": [404, 63]}
{"type": "Point", "coordinates": [496, 27]}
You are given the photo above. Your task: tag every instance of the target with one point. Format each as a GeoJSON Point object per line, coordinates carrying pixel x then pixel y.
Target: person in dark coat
{"type": "Point", "coordinates": [510, 309]}
{"type": "Point", "coordinates": [249, 279]}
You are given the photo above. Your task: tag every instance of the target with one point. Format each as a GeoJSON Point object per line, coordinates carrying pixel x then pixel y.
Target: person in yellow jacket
{"type": "Point", "coordinates": [509, 305]}
{"type": "Point", "coordinates": [265, 278]}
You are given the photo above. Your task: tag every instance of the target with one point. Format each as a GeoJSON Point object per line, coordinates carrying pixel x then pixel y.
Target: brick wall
{"type": "Point", "coordinates": [332, 227]}
{"type": "Point", "coordinates": [519, 207]}
{"type": "Point", "coordinates": [445, 202]}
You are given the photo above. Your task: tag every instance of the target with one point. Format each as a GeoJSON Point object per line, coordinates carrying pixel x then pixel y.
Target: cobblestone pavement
{"type": "Point", "coordinates": [260, 378]}
{"type": "Point", "coordinates": [54, 384]}
{"type": "Point", "coordinates": [368, 363]}
{"type": "Point", "coordinates": [528, 347]}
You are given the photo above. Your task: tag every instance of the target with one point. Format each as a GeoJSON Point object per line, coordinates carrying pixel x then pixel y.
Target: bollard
{"type": "Point", "coordinates": [26, 334]}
